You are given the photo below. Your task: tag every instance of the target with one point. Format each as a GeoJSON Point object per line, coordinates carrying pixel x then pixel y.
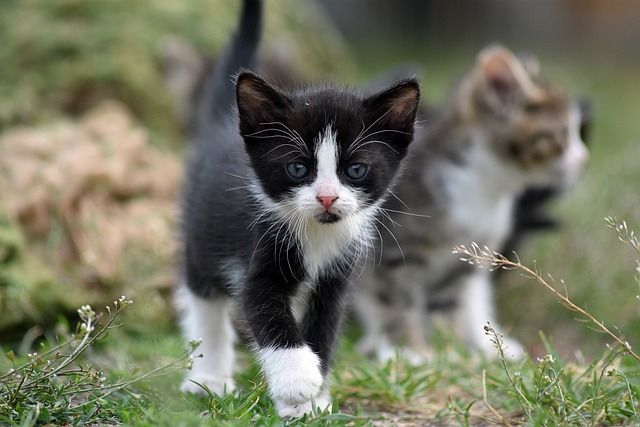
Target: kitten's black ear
{"type": "Point", "coordinates": [258, 102]}
{"type": "Point", "coordinates": [396, 107]}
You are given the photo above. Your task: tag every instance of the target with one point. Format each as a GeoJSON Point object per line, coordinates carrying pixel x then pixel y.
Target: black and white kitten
{"type": "Point", "coordinates": [504, 130]}
{"type": "Point", "coordinates": [279, 204]}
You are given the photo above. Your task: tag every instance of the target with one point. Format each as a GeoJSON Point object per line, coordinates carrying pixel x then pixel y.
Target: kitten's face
{"type": "Point", "coordinates": [323, 156]}
{"type": "Point", "coordinates": [534, 126]}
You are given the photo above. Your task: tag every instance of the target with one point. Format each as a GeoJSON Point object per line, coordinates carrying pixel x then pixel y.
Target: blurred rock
{"type": "Point", "coordinates": [93, 197]}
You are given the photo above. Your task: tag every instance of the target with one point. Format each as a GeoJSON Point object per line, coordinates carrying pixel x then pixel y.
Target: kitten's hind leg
{"type": "Point", "coordinates": [392, 315]}
{"type": "Point", "coordinates": [209, 320]}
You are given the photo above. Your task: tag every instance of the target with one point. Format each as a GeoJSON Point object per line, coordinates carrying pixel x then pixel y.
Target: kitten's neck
{"type": "Point", "coordinates": [324, 244]}
{"type": "Point", "coordinates": [487, 172]}
{"type": "Point", "coordinates": [482, 192]}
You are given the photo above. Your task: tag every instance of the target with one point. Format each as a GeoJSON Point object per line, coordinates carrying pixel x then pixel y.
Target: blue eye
{"type": "Point", "coordinates": [356, 171]}
{"type": "Point", "coordinates": [297, 170]}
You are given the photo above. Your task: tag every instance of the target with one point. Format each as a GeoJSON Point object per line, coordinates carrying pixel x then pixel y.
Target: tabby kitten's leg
{"type": "Point", "coordinates": [373, 308]}
{"type": "Point", "coordinates": [393, 317]}
{"type": "Point", "coordinates": [475, 310]}
{"type": "Point", "coordinates": [210, 321]}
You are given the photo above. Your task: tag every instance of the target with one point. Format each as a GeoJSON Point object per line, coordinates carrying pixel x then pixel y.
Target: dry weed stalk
{"type": "Point", "coordinates": [626, 236]}
{"type": "Point", "coordinates": [483, 256]}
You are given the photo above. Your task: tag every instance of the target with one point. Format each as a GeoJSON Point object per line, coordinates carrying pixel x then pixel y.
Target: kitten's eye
{"type": "Point", "coordinates": [297, 170]}
{"type": "Point", "coordinates": [356, 171]}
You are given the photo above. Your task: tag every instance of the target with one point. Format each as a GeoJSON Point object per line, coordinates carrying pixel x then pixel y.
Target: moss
{"type": "Point", "coordinates": [27, 287]}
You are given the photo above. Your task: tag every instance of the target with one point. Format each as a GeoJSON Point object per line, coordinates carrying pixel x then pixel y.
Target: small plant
{"type": "Point", "coordinates": [56, 387]}
{"type": "Point", "coordinates": [483, 256]}
{"type": "Point", "coordinates": [626, 236]}
{"type": "Point", "coordinates": [550, 391]}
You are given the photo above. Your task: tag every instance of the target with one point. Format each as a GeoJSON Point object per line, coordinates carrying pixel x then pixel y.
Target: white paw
{"type": "Point", "coordinates": [311, 407]}
{"type": "Point", "coordinates": [293, 374]}
{"type": "Point", "coordinates": [217, 385]}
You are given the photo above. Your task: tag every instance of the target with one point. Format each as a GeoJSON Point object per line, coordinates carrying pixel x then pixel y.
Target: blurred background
{"type": "Point", "coordinates": [94, 108]}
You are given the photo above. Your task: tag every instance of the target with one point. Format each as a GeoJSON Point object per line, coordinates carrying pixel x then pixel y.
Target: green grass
{"type": "Point", "coordinates": [102, 375]}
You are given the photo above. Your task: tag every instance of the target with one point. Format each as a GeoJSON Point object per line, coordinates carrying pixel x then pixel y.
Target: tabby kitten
{"type": "Point", "coordinates": [503, 130]}
{"type": "Point", "coordinates": [279, 201]}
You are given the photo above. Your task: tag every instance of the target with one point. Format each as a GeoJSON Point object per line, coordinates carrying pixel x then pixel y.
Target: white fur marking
{"type": "Point", "coordinates": [210, 321]}
{"type": "Point", "coordinates": [293, 378]}
{"type": "Point", "coordinates": [475, 311]}
{"type": "Point", "coordinates": [300, 300]}
{"type": "Point", "coordinates": [482, 196]}
{"type": "Point", "coordinates": [327, 183]}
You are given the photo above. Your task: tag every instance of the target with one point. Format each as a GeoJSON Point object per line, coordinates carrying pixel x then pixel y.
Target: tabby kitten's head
{"type": "Point", "coordinates": [324, 155]}
{"type": "Point", "coordinates": [529, 122]}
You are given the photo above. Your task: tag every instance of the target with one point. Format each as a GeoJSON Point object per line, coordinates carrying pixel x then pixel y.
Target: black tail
{"type": "Point", "coordinates": [218, 95]}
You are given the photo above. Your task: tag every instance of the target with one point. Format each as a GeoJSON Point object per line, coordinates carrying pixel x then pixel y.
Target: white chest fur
{"type": "Point", "coordinates": [322, 245]}
{"type": "Point", "coordinates": [481, 198]}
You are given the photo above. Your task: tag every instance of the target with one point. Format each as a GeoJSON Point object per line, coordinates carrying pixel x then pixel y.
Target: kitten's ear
{"type": "Point", "coordinates": [396, 107]}
{"type": "Point", "coordinates": [258, 102]}
{"type": "Point", "coordinates": [530, 63]}
{"type": "Point", "coordinates": [503, 75]}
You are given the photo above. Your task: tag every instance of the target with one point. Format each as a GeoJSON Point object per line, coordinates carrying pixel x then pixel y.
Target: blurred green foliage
{"type": "Point", "coordinates": [66, 55]}
{"type": "Point", "coordinates": [27, 290]}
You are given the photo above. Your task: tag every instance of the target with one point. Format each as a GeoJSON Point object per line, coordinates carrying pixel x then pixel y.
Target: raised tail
{"type": "Point", "coordinates": [218, 96]}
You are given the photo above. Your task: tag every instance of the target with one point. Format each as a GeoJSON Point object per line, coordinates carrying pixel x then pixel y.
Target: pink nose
{"type": "Point", "coordinates": [326, 201]}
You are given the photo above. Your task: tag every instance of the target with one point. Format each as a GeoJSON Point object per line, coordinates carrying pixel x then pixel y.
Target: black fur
{"type": "Point", "coordinates": [237, 173]}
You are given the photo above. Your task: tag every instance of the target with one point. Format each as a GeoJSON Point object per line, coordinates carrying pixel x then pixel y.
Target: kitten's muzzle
{"type": "Point", "coordinates": [326, 201]}
{"type": "Point", "coordinates": [327, 218]}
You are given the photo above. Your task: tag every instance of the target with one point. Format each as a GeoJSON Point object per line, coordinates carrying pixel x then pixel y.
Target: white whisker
{"type": "Point", "coordinates": [242, 187]}
{"type": "Point", "coordinates": [406, 213]}
{"type": "Point", "coordinates": [237, 176]}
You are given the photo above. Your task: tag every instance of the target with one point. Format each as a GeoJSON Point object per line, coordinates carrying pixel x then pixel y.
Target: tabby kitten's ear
{"type": "Point", "coordinates": [503, 76]}
{"type": "Point", "coordinates": [396, 107]}
{"type": "Point", "coordinates": [258, 102]}
{"type": "Point", "coordinates": [530, 63]}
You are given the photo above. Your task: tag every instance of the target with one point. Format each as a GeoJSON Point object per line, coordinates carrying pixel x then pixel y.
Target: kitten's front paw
{"type": "Point", "coordinates": [219, 386]}
{"type": "Point", "coordinates": [293, 376]}
{"type": "Point", "coordinates": [315, 406]}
